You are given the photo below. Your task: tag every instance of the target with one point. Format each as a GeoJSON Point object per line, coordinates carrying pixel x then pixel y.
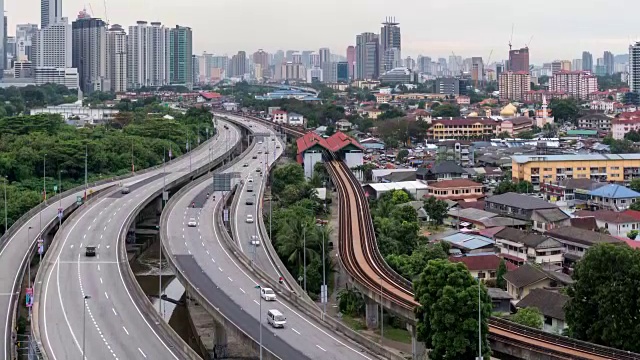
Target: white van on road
{"type": "Point", "coordinates": [276, 319]}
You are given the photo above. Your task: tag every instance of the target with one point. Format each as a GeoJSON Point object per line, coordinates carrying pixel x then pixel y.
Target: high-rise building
{"type": "Point", "coordinates": [447, 86]}
{"type": "Point", "coordinates": [238, 66]}
{"type": "Point", "coordinates": [278, 58]}
{"type": "Point", "coordinates": [560, 65]}
{"type": "Point", "coordinates": [329, 72]}
{"type": "Point", "coordinates": [477, 69]}
{"type": "Point", "coordinates": [289, 54]}
{"type": "Point", "coordinates": [519, 60]}
{"type": "Point", "coordinates": [24, 37]}
{"type": "Point", "coordinates": [351, 60]}
{"type": "Point", "coordinates": [50, 12]}
{"type": "Point", "coordinates": [195, 65]}
{"type": "Point", "coordinates": [576, 65]}
{"type": "Point", "coordinates": [342, 71]}
{"type": "Point", "coordinates": [306, 58]}
{"type": "Point", "coordinates": [314, 60]}
{"type": "Point", "coordinates": [634, 67]}
{"type": "Point", "coordinates": [391, 58]}
{"type": "Point", "coordinates": [261, 58]}
{"type": "Point", "coordinates": [291, 71]}
{"type": "Point", "coordinates": [409, 63]}
{"type": "Point", "coordinates": [89, 52]}
{"type": "Point", "coordinates": [147, 55]}
{"type": "Point", "coordinates": [587, 61]}
{"type": "Point", "coordinates": [609, 62]}
{"type": "Point", "coordinates": [367, 56]}
{"type": "Point", "coordinates": [314, 75]}
{"type": "Point", "coordinates": [296, 58]}
{"type": "Point", "coordinates": [390, 38]}
{"type": "Point", "coordinates": [52, 46]}
{"type": "Point", "coordinates": [11, 50]}
{"type": "Point", "coordinates": [117, 58]}
{"type": "Point", "coordinates": [180, 56]}
{"type": "Point", "coordinates": [513, 85]}
{"type": "Point", "coordinates": [325, 55]}
{"type": "Point", "coordinates": [455, 64]}
{"type": "Point", "coordinates": [577, 84]}
{"type": "Point", "coordinates": [52, 75]}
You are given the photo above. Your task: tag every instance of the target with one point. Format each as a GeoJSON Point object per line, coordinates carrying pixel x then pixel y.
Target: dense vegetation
{"type": "Point", "coordinates": [25, 141]}
{"type": "Point", "coordinates": [296, 208]}
{"type": "Point", "coordinates": [603, 306]}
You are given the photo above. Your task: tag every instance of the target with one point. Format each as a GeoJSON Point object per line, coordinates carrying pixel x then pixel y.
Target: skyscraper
{"type": "Point", "coordinates": [367, 56]}
{"type": "Point", "coordinates": [325, 56]}
{"type": "Point", "coordinates": [519, 60]}
{"type": "Point", "coordinates": [50, 12]}
{"type": "Point", "coordinates": [278, 58]}
{"type": "Point", "coordinates": [351, 60]}
{"type": "Point", "coordinates": [89, 52]}
{"type": "Point", "coordinates": [587, 61]}
{"type": "Point", "coordinates": [147, 55]}
{"type": "Point", "coordinates": [390, 39]}
{"type": "Point", "coordinates": [180, 56]}
{"type": "Point", "coordinates": [52, 46]}
{"type": "Point", "coordinates": [608, 62]}
{"type": "Point", "coordinates": [261, 58]}
{"type": "Point", "coordinates": [24, 37]}
{"type": "Point", "coordinates": [634, 67]}
{"type": "Point", "coordinates": [117, 58]}
{"type": "Point", "coordinates": [238, 66]}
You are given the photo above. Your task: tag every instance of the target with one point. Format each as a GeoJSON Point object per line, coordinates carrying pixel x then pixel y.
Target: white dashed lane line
{"type": "Point", "coordinates": [318, 346]}
{"type": "Point", "coordinates": [295, 331]}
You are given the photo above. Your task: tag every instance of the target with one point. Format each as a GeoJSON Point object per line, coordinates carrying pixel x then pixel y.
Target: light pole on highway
{"type": "Point", "coordinates": [44, 178]}
{"type": "Point", "coordinates": [29, 266]}
{"type": "Point", "coordinates": [86, 158]}
{"type": "Point", "coordinates": [479, 324]}
{"type": "Point", "coordinates": [323, 292]}
{"type": "Point", "coordinates": [381, 316]}
{"type": "Point", "coordinates": [304, 255]}
{"type": "Point", "coordinates": [6, 223]}
{"type": "Point", "coordinates": [84, 323]}
{"type": "Point", "coordinates": [260, 318]}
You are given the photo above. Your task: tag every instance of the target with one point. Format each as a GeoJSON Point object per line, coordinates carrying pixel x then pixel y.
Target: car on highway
{"type": "Point", "coordinates": [90, 251]}
{"type": "Point", "coordinates": [125, 190]}
{"type": "Point", "coordinates": [260, 142]}
{"type": "Point", "coordinates": [258, 169]}
{"type": "Point", "coordinates": [192, 222]}
{"type": "Point", "coordinates": [277, 146]}
{"type": "Point", "coordinates": [267, 294]}
{"type": "Point", "coordinates": [250, 219]}
{"type": "Point", "coordinates": [276, 319]}
{"type": "Point", "coordinates": [260, 152]}
{"type": "Point", "coordinates": [245, 165]}
{"type": "Point", "coordinates": [254, 157]}
{"type": "Point", "coordinates": [254, 240]}
{"type": "Point", "coordinates": [250, 180]}
{"type": "Point", "coordinates": [249, 201]}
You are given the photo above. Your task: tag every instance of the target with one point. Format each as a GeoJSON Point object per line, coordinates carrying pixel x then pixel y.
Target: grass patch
{"type": "Point", "coordinates": [354, 323]}
{"type": "Point", "coordinates": [395, 334]}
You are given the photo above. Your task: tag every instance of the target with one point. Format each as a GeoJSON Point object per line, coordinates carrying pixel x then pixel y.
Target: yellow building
{"type": "Point", "coordinates": [553, 168]}
{"type": "Point", "coordinates": [461, 128]}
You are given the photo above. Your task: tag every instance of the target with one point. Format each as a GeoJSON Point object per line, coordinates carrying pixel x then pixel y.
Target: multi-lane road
{"type": "Point", "coordinates": [203, 257]}
{"type": "Point", "coordinates": [108, 324]}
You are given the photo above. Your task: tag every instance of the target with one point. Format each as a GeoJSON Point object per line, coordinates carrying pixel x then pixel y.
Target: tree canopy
{"type": "Point", "coordinates": [603, 306]}
{"type": "Point", "coordinates": [446, 110]}
{"type": "Point", "coordinates": [565, 110]}
{"type": "Point", "coordinates": [447, 319]}
{"type": "Point", "coordinates": [530, 316]}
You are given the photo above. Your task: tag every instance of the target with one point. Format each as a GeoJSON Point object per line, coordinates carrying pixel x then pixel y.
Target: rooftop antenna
{"type": "Point", "coordinates": [511, 38]}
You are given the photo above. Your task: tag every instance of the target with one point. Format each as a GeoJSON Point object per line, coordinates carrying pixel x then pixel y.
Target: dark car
{"type": "Point", "coordinates": [90, 251]}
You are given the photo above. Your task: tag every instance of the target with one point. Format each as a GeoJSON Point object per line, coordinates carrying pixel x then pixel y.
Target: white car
{"type": "Point", "coordinates": [260, 142]}
{"type": "Point", "coordinates": [192, 222]}
{"type": "Point", "coordinates": [254, 240]}
{"type": "Point", "coordinates": [267, 294]}
{"type": "Point", "coordinates": [250, 219]}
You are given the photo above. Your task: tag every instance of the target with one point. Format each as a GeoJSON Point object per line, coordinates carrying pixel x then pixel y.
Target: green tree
{"type": "Point", "coordinates": [436, 209]}
{"type": "Point", "coordinates": [528, 316]}
{"type": "Point", "coordinates": [635, 206]}
{"type": "Point", "coordinates": [421, 104]}
{"type": "Point", "coordinates": [351, 302]}
{"type": "Point", "coordinates": [565, 110]}
{"type": "Point", "coordinates": [632, 234]}
{"type": "Point", "coordinates": [500, 273]}
{"type": "Point", "coordinates": [504, 135]}
{"type": "Point", "coordinates": [444, 286]}
{"type": "Point", "coordinates": [505, 186]}
{"type": "Point", "coordinates": [402, 155]}
{"type": "Point", "coordinates": [410, 266]}
{"type": "Point", "coordinates": [603, 307]}
{"type": "Point", "coordinates": [290, 174]}
{"type": "Point", "coordinates": [632, 136]}
{"type": "Point", "coordinates": [635, 184]}
{"type": "Point", "coordinates": [446, 110]}
{"type": "Point", "coordinates": [524, 187]}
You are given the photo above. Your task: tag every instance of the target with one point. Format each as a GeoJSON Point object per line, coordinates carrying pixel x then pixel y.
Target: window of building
{"type": "Point", "coordinates": [481, 275]}
{"type": "Point", "coordinates": [548, 320]}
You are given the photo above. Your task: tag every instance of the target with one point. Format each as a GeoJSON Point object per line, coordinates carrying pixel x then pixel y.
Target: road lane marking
{"type": "Point", "coordinates": [84, 236]}
{"type": "Point", "coordinates": [229, 279]}
{"type": "Point", "coordinates": [318, 346]}
{"type": "Point", "coordinates": [295, 331]}
{"type": "Point", "coordinates": [100, 280]}
{"type": "Point", "coordinates": [256, 301]}
{"type": "Point", "coordinates": [125, 330]}
{"type": "Point", "coordinates": [98, 267]}
{"type": "Point", "coordinates": [242, 291]}
{"type": "Point", "coordinates": [114, 312]}
{"type": "Point", "coordinates": [219, 268]}
{"type": "Point", "coordinates": [106, 295]}
{"type": "Point", "coordinates": [141, 352]}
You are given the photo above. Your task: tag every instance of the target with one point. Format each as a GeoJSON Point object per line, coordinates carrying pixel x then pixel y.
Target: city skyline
{"type": "Point", "coordinates": [421, 32]}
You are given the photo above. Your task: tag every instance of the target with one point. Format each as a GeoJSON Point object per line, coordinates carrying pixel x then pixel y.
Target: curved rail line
{"type": "Point", "coordinates": [360, 256]}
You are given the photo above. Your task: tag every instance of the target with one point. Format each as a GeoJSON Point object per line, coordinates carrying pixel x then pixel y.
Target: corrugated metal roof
{"type": "Point", "coordinates": [469, 241]}
{"type": "Point", "coordinates": [521, 159]}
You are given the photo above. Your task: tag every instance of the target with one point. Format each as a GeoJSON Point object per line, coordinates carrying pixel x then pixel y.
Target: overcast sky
{"type": "Point", "coordinates": [561, 29]}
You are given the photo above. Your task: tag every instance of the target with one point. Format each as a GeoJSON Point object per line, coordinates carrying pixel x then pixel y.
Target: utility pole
{"type": "Point", "coordinates": [6, 223]}
{"type": "Point", "coordinates": [86, 158]}
{"type": "Point", "coordinates": [479, 325]}
{"type": "Point", "coordinates": [44, 178]}
{"type": "Point", "coordinates": [304, 254]}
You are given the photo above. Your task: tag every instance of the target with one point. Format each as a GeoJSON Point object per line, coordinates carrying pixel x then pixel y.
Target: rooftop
{"type": "Point", "coordinates": [550, 303]}
{"type": "Point", "coordinates": [523, 159]}
{"type": "Point", "coordinates": [614, 191]}
{"type": "Point", "coordinates": [582, 236]}
{"type": "Point", "coordinates": [456, 183]}
{"type": "Point", "coordinates": [520, 201]}
{"type": "Point", "coordinates": [608, 216]}
{"type": "Point", "coordinates": [481, 262]}
{"type": "Point", "coordinates": [519, 236]}
{"type": "Point", "coordinates": [525, 275]}
{"type": "Point", "coordinates": [469, 241]}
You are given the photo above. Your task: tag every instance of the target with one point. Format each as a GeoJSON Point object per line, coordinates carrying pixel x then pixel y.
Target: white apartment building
{"type": "Point", "coordinates": [514, 85]}
{"type": "Point", "coordinates": [577, 84]}
{"type": "Point", "coordinates": [147, 55]}
{"type": "Point", "coordinates": [52, 45]}
{"type": "Point", "coordinates": [117, 58]}
{"type": "Point", "coordinates": [50, 12]}
{"type": "Point", "coordinates": [315, 73]}
{"type": "Point", "coordinates": [634, 67]}
{"type": "Point", "coordinates": [63, 76]}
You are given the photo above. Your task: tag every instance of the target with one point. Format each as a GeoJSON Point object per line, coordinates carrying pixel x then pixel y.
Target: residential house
{"type": "Point", "coordinates": [280, 117]}
{"type": "Point", "coordinates": [482, 266]}
{"type": "Point", "coordinates": [371, 112]}
{"type": "Point", "coordinates": [624, 123]}
{"type": "Point", "coordinates": [571, 192]}
{"type": "Point", "coordinates": [500, 300]}
{"type": "Point", "coordinates": [474, 218]}
{"type": "Point", "coordinates": [383, 98]}
{"type": "Point", "coordinates": [613, 197]}
{"type": "Point", "coordinates": [516, 205]}
{"type": "Point", "coordinates": [461, 152]}
{"type": "Point", "coordinates": [487, 172]}
{"type": "Point", "coordinates": [577, 241]}
{"type": "Point", "coordinates": [547, 219]}
{"type": "Point", "coordinates": [524, 279]}
{"type": "Point", "coordinates": [467, 243]}
{"type": "Point", "coordinates": [595, 120]}
{"type": "Point", "coordinates": [457, 189]}
{"type": "Point", "coordinates": [463, 100]}
{"type": "Point", "coordinates": [518, 247]}
{"type": "Point", "coordinates": [343, 125]}
{"type": "Point", "coordinates": [295, 119]}
{"type": "Point", "coordinates": [551, 306]}
{"type": "Point", "coordinates": [617, 223]}
{"type": "Point", "coordinates": [445, 170]}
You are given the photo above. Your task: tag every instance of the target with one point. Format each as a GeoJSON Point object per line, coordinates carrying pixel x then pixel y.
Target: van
{"type": "Point", "coordinates": [276, 319]}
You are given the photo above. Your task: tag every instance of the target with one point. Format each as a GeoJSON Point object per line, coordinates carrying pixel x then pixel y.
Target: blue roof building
{"type": "Point", "coordinates": [470, 243]}
{"type": "Point", "coordinates": [612, 197]}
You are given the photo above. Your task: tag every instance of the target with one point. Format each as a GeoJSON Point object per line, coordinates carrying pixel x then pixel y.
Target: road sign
{"type": "Point", "coordinates": [61, 212]}
{"type": "Point", "coordinates": [55, 188]}
{"type": "Point", "coordinates": [222, 182]}
{"type": "Point", "coordinates": [79, 200]}
{"type": "Point", "coordinates": [226, 215]}
{"type": "Point", "coordinates": [29, 297]}
{"type": "Point", "coordinates": [323, 294]}
{"type": "Point", "coordinates": [41, 249]}
{"type": "Point", "coordinates": [165, 195]}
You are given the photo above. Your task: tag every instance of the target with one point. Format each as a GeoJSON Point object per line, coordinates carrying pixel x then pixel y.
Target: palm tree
{"type": "Point", "coordinates": [292, 236]}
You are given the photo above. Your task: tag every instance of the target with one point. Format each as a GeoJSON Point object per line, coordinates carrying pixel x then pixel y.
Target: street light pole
{"type": "Point", "coordinates": [324, 281]}
{"type": "Point", "coordinates": [84, 324]}
{"type": "Point", "coordinates": [6, 223]}
{"type": "Point", "coordinates": [44, 178]}
{"type": "Point", "coordinates": [304, 255]}
{"type": "Point", "coordinates": [381, 316]}
{"type": "Point", "coordinates": [86, 157]}
{"type": "Point", "coordinates": [260, 318]}
{"type": "Point", "coordinates": [479, 325]}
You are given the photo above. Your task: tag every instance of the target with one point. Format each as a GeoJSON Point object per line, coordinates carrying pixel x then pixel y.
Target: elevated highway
{"type": "Point", "coordinates": [92, 302]}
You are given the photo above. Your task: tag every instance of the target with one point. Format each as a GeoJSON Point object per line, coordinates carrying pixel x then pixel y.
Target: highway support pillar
{"type": "Point", "coordinates": [220, 346]}
{"type": "Point", "coordinates": [372, 314]}
{"type": "Point", "coordinates": [418, 349]}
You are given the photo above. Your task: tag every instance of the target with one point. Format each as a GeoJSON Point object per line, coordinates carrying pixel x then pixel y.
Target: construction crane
{"type": "Point", "coordinates": [106, 15]}
{"type": "Point", "coordinates": [457, 63]}
{"type": "Point", "coordinates": [484, 69]}
{"type": "Point", "coordinates": [526, 46]}
{"type": "Point", "coordinates": [511, 38]}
